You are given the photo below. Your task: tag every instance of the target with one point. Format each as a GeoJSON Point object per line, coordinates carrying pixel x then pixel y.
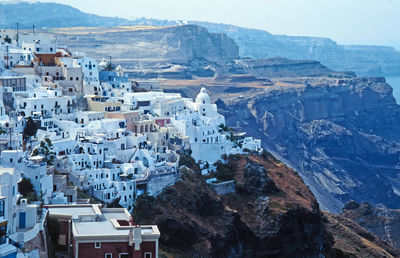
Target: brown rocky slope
{"type": "Point", "coordinates": [271, 214]}
{"type": "Point", "coordinates": [381, 221]}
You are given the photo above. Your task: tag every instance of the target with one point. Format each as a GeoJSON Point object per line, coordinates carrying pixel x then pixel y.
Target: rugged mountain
{"type": "Point", "coordinates": [342, 135]}
{"type": "Point", "coordinates": [258, 44]}
{"type": "Point", "coordinates": [271, 214]}
{"type": "Point", "coordinates": [379, 220]}
{"type": "Point", "coordinates": [50, 15]}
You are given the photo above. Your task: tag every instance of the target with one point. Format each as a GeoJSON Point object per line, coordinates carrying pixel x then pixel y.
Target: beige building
{"type": "Point", "coordinates": [104, 104]}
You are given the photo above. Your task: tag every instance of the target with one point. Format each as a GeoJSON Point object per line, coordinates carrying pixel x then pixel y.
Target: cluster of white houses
{"type": "Point", "coordinates": [95, 133]}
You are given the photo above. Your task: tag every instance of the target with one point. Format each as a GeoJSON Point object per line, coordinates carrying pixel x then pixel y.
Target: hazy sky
{"type": "Point", "coordinates": [346, 21]}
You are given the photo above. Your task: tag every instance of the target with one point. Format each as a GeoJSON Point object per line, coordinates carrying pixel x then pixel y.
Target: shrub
{"type": "Point", "coordinates": [224, 172]}
{"type": "Point", "coordinates": [25, 187]}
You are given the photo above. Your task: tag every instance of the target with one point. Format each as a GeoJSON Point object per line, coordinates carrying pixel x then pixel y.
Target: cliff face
{"type": "Point", "coordinates": [343, 136]}
{"type": "Point", "coordinates": [176, 44]}
{"type": "Point", "coordinates": [364, 60]}
{"type": "Point", "coordinates": [282, 67]}
{"type": "Point", "coordinates": [272, 214]}
{"type": "Point", "coordinates": [379, 220]}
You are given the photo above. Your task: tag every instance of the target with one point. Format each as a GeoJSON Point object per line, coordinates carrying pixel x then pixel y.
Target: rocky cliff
{"type": "Point", "coordinates": [272, 214]}
{"type": "Point", "coordinates": [379, 220]}
{"type": "Point", "coordinates": [342, 135]}
{"type": "Point", "coordinates": [364, 60]}
{"type": "Point", "coordinates": [127, 45]}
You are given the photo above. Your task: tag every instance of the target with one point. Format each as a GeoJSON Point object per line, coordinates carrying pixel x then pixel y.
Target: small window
{"type": "Point", "coordinates": [108, 255]}
{"type": "Point", "coordinates": [147, 255]}
{"type": "Point", "coordinates": [123, 255]}
{"type": "Point", "coordinates": [97, 244]}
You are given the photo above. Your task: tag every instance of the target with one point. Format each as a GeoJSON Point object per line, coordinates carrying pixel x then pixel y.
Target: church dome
{"type": "Point", "coordinates": [203, 97]}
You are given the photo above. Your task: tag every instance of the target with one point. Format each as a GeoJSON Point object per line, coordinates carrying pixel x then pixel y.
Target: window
{"type": "Point", "coordinates": [147, 255]}
{"type": "Point", "coordinates": [123, 255]}
{"type": "Point", "coordinates": [108, 255]}
{"type": "Point", "coordinates": [3, 230]}
{"type": "Point", "coordinates": [2, 207]}
{"type": "Point", "coordinates": [97, 244]}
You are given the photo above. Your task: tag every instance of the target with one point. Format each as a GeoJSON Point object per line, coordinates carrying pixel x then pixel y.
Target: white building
{"type": "Point", "coordinates": [8, 200]}
{"type": "Point", "coordinates": [37, 43]}
{"type": "Point", "coordinates": [45, 102]}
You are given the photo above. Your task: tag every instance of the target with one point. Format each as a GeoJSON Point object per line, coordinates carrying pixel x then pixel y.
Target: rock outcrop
{"type": "Point", "coordinates": [272, 214]}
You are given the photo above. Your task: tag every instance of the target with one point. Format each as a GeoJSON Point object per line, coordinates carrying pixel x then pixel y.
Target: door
{"type": "Point", "coordinates": [22, 219]}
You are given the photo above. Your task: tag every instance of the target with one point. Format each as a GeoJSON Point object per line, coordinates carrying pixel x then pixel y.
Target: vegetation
{"type": "Point", "coordinates": [187, 160]}
{"type": "Point", "coordinates": [109, 67]}
{"type": "Point", "coordinates": [224, 172]}
{"type": "Point", "coordinates": [45, 149]}
{"type": "Point", "coordinates": [25, 188]}
{"type": "Point", "coordinates": [30, 128]}
{"type": "Point", "coordinates": [144, 204]}
{"type": "Point", "coordinates": [223, 128]}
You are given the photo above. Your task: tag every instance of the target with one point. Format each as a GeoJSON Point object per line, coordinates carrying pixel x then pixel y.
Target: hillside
{"type": "Point", "coordinates": [381, 221]}
{"type": "Point", "coordinates": [272, 214]}
{"type": "Point", "coordinates": [50, 15]}
{"type": "Point", "coordinates": [258, 44]}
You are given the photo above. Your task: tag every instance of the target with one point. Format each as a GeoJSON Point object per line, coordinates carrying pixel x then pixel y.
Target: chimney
{"type": "Point", "coordinates": [23, 202]}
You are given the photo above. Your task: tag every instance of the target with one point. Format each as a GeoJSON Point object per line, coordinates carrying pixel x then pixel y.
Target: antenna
{"type": "Point", "coordinates": [10, 148]}
{"type": "Point", "coordinates": [33, 29]}
{"type": "Point", "coordinates": [17, 32]}
{"type": "Point", "coordinates": [7, 57]}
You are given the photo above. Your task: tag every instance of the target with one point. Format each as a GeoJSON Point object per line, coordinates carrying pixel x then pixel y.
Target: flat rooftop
{"type": "Point", "coordinates": [74, 212]}
{"type": "Point", "coordinates": [103, 226]}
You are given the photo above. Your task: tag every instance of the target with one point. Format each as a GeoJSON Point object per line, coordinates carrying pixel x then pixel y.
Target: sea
{"type": "Point", "coordinates": [395, 83]}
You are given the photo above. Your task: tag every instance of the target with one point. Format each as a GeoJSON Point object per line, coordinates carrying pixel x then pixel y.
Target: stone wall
{"type": "Point", "coordinates": [224, 187]}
